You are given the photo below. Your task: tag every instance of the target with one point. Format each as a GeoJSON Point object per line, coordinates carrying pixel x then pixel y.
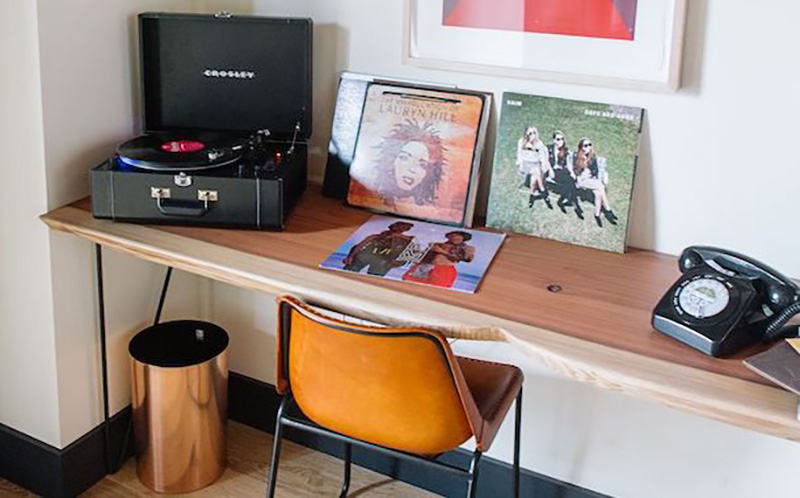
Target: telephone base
{"type": "Point", "coordinates": [730, 343]}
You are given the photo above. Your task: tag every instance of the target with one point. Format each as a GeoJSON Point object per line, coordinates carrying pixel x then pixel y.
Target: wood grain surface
{"type": "Point", "coordinates": [597, 329]}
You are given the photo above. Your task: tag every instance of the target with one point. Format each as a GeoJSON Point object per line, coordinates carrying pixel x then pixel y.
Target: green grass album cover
{"type": "Point", "coordinates": [564, 170]}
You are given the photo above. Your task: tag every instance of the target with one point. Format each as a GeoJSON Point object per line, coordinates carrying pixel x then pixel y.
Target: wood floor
{"type": "Point", "coordinates": [303, 473]}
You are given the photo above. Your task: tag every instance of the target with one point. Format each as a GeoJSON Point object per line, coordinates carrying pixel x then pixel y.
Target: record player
{"type": "Point", "coordinates": [227, 113]}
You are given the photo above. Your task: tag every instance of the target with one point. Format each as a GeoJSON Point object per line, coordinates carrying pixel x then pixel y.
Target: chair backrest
{"type": "Point", "coordinates": [396, 387]}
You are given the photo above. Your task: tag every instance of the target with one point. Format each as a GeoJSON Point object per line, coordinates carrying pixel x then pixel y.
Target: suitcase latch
{"type": "Point", "coordinates": [183, 180]}
{"type": "Point", "coordinates": [160, 193]}
{"type": "Point", "coordinates": [207, 196]}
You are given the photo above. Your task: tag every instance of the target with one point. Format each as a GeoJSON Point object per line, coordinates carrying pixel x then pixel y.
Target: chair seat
{"type": "Point", "coordinates": [494, 386]}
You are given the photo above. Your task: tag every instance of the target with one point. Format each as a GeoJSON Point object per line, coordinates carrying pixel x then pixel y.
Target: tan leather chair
{"type": "Point", "coordinates": [398, 391]}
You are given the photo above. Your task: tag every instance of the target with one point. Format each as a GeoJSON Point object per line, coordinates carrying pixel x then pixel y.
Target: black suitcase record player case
{"type": "Point", "coordinates": [227, 112]}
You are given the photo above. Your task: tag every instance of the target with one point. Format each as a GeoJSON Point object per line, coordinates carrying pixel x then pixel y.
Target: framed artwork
{"type": "Point", "coordinates": [418, 153]}
{"type": "Point", "coordinates": [564, 170]}
{"type": "Point", "coordinates": [623, 43]}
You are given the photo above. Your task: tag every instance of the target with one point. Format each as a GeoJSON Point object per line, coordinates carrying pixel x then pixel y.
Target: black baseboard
{"type": "Point", "coordinates": [255, 403]}
{"type": "Point", "coordinates": [50, 472]}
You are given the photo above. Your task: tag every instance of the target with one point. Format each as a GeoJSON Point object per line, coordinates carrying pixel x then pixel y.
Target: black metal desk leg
{"type": "Point", "coordinates": [517, 442]}
{"type": "Point", "coordinates": [113, 467]}
{"type": "Point", "coordinates": [163, 297]}
{"type": "Point", "coordinates": [101, 316]}
{"type": "Point", "coordinates": [124, 448]}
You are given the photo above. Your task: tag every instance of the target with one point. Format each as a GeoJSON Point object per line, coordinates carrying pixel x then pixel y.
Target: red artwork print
{"type": "Point", "coordinates": [614, 19]}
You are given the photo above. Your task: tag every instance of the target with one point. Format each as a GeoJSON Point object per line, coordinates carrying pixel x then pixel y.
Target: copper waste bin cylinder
{"type": "Point", "coordinates": [180, 404]}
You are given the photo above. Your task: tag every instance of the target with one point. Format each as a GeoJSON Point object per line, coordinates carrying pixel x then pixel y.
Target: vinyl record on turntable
{"type": "Point", "coordinates": [182, 151]}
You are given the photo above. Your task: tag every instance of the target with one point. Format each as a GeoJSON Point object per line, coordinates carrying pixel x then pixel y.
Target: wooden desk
{"type": "Point", "coordinates": [596, 330]}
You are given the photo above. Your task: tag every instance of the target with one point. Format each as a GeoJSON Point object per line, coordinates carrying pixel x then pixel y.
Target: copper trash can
{"type": "Point", "coordinates": [180, 404]}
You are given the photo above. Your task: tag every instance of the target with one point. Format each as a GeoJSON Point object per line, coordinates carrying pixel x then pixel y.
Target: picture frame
{"type": "Point", "coordinates": [650, 61]}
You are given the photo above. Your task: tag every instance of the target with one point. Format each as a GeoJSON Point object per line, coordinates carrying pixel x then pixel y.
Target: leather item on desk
{"type": "Point", "coordinates": [401, 388]}
{"type": "Point", "coordinates": [780, 364]}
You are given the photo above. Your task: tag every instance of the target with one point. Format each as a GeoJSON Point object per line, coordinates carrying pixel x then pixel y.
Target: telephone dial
{"type": "Point", "coordinates": [725, 301]}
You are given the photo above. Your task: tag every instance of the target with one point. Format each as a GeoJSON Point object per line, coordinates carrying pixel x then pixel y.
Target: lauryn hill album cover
{"type": "Point", "coordinates": [417, 252]}
{"type": "Point", "coordinates": [416, 154]}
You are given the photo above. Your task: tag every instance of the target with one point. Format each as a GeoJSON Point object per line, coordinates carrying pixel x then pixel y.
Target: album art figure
{"type": "Point", "coordinates": [410, 164]}
{"type": "Point", "coordinates": [560, 158]}
{"type": "Point", "coordinates": [533, 164]}
{"type": "Point", "coordinates": [415, 154]}
{"type": "Point", "coordinates": [378, 253]}
{"type": "Point", "coordinates": [438, 264]}
{"type": "Point", "coordinates": [591, 174]}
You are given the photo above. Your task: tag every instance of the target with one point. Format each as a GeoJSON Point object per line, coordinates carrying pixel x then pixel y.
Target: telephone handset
{"type": "Point", "coordinates": [725, 301]}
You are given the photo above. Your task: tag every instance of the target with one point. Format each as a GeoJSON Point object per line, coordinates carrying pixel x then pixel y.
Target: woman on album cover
{"type": "Point", "coordinates": [533, 163]}
{"type": "Point", "coordinates": [438, 266]}
{"type": "Point", "coordinates": [561, 159]}
{"type": "Point", "coordinates": [378, 252]}
{"type": "Point", "coordinates": [411, 163]}
{"type": "Point", "coordinates": [591, 174]}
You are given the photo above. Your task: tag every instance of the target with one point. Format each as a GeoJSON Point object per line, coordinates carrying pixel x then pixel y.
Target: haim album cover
{"type": "Point", "coordinates": [418, 153]}
{"type": "Point", "coordinates": [417, 252]}
{"type": "Point", "coordinates": [564, 170]}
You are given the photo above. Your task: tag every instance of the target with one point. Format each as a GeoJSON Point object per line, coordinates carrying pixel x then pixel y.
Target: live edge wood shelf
{"type": "Point", "coordinates": [595, 330]}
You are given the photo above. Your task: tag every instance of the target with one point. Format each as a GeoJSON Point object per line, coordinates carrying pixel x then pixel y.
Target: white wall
{"type": "Point", "coordinates": [28, 388]}
{"type": "Point", "coordinates": [700, 181]}
{"type": "Point", "coordinates": [69, 95]}
{"type": "Point", "coordinates": [88, 51]}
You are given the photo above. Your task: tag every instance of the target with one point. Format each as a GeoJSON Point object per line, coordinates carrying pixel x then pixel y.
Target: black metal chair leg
{"type": "Point", "coordinates": [276, 449]}
{"type": "Point", "coordinates": [517, 436]}
{"type": "Point", "coordinates": [472, 482]}
{"type": "Point", "coordinates": [348, 460]}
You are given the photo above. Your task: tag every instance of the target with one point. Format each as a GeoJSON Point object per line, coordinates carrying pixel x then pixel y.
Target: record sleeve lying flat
{"type": "Point", "coordinates": [418, 252]}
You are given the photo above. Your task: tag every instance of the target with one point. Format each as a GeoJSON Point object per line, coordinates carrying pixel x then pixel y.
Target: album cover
{"type": "Point", "coordinates": [350, 98]}
{"type": "Point", "coordinates": [564, 170]}
{"type": "Point", "coordinates": [417, 252]}
{"type": "Point", "coordinates": [779, 364]}
{"type": "Point", "coordinates": [418, 153]}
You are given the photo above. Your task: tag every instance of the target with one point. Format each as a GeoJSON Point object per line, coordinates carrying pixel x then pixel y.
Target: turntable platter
{"type": "Point", "coordinates": [182, 151]}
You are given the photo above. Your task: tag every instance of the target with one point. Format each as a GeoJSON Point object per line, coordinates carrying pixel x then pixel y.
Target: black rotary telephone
{"type": "Point", "coordinates": [725, 301]}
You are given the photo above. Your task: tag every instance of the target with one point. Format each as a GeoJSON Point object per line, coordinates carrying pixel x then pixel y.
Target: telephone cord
{"type": "Point", "coordinates": [775, 331]}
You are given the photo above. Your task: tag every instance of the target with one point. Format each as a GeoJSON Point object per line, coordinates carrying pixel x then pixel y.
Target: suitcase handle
{"type": "Point", "coordinates": [183, 208]}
